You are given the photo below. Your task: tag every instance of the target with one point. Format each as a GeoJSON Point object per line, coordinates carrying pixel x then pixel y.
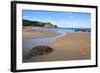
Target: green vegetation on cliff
{"type": "Point", "coordinates": [38, 24]}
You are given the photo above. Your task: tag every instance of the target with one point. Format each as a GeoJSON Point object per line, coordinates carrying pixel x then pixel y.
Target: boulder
{"type": "Point", "coordinates": [41, 50]}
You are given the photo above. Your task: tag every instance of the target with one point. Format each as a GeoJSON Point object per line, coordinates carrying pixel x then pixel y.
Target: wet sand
{"type": "Point", "coordinates": [29, 34]}
{"type": "Point", "coordinates": [73, 46]}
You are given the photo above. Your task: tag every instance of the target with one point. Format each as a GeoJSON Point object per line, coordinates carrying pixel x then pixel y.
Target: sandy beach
{"type": "Point", "coordinates": [73, 46]}
{"type": "Point", "coordinates": [28, 34]}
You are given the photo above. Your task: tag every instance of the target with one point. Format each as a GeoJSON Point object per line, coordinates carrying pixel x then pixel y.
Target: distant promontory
{"type": "Point", "coordinates": [38, 24]}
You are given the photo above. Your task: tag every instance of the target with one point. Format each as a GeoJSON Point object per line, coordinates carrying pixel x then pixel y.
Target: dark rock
{"type": "Point", "coordinates": [41, 50]}
{"type": "Point", "coordinates": [83, 29]}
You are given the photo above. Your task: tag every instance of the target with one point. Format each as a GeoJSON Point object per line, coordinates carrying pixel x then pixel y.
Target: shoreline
{"type": "Point", "coordinates": [29, 34]}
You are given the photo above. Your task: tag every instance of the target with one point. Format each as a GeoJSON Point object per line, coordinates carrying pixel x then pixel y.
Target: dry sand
{"type": "Point", "coordinates": [74, 46]}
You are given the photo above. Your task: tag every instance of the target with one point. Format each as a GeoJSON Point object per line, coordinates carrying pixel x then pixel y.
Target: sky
{"type": "Point", "coordinates": [61, 19]}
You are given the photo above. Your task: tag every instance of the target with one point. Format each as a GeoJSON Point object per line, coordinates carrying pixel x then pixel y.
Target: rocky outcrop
{"type": "Point", "coordinates": [41, 50]}
{"type": "Point", "coordinates": [83, 29]}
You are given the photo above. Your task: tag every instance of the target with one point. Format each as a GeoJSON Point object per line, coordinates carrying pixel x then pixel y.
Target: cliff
{"type": "Point", "coordinates": [38, 24]}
